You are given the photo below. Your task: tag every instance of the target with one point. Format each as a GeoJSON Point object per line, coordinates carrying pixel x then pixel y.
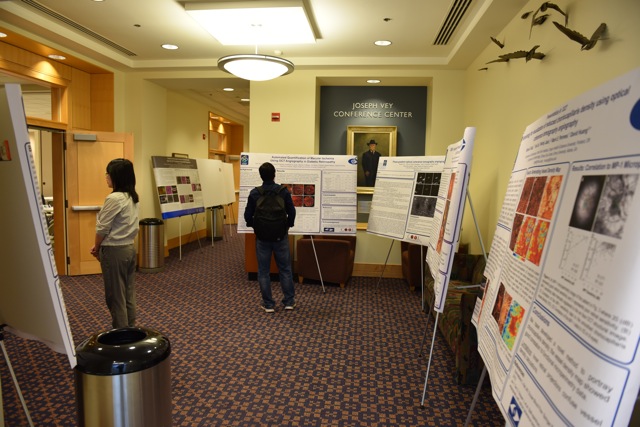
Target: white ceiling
{"type": "Point", "coordinates": [128, 34]}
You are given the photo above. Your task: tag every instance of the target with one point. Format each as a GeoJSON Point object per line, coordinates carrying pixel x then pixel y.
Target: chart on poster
{"type": "Point", "coordinates": [405, 196]}
{"type": "Point", "coordinates": [559, 326]}
{"type": "Point", "coordinates": [323, 190]}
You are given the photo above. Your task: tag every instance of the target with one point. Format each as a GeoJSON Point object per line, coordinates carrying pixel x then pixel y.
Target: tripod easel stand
{"type": "Point", "coordinates": [435, 328]}
{"type": "Point", "coordinates": [15, 381]}
{"type": "Point", "coordinates": [315, 254]}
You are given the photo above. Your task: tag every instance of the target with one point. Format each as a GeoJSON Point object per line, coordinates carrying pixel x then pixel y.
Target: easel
{"type": "Point", "coordinates": [15, 382]}
{"type": "Point", "coordinates": [212, 218]}
{"type": "Point", "coordinates": [193, 229]}
{"type": "Point", "coordinates": [435, 327]}
{"type": "Point", "coordinates": [422, 256]}
{"type": "Point", "coordinates": [313, 245]}
{"type": "Point", "coordinates": [231, 215]}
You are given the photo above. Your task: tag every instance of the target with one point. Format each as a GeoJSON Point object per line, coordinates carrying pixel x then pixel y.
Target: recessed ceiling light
{"type": "Point", "coordinates": [3, 35]}
{"type": "Point", "coordinates": [249, 26]}
{"type": "Point", "coordinates": [244, 99]}
{"type": "Point", "coordinates": [169, 46]}
{"type": "Point", "coordinates": [373, 81]}
{"type": "Point", "coordinates": [58, 57]}
{"type": "Point", "coordinates": [382, 43]}
{"type": "Point", "coordinates": [228, 89]}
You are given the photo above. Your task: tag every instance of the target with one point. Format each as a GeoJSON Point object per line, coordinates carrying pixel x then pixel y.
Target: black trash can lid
{"type": "Point", "coordinates": [122, 351]}
{"type": "Point", "coordinates": [151, 221]}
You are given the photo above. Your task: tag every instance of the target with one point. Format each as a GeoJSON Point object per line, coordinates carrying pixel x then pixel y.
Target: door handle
{"type": "Point", "coordinates": [85, 208]}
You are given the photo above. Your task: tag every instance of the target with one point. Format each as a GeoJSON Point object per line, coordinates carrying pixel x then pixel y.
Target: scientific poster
{"type": "Point", "coordinates": [323, 190]}
{"type": "Point", "coordinates": [31, 302]}
{"type": "Point", "coordinates": [559, 324]}
{"type": "Point", "coordinates": [405, 197]}
{"type": "Point", "coordinates": [178, 186]}
{"type": "Point", "coordinates": [447, 220]}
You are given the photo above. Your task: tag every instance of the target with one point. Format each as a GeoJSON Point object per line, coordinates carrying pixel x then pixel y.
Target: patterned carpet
{"type": "Point", "coordinates": [344, 357]}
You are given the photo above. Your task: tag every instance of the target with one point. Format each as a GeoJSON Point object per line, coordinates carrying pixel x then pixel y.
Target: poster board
{"type": "Point", "coordinates": [405, 197]}
{"type": "Point", "coordinates": [178, 186]}
{"type": "Point", "coordinates": [447, 220]}
{"type": "Point", "coordinates": [213, 182]}
{"type": "Point", "coordinates": [323, 188]}
{"type": "Point", "coordinates": [229, 184]}
{"type": "Point", "coordinates": [559, 324]}
{"type": "Point", "coordinates": [31, 300]}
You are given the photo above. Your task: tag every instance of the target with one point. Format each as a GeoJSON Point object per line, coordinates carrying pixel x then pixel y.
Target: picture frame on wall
{"type": "Point", "coordinates": [359, 140]}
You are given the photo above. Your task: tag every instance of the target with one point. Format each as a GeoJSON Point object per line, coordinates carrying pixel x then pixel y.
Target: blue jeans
{"type": "Point", "coordinates": [280, 251]}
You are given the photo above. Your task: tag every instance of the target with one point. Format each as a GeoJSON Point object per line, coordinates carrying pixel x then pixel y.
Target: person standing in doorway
{"type": "Point", "coordinates": [370, 161]}
{"type": "Point", "coordinates": [116, 228]}
{"type": "Point", "coordinates": [270, 211]}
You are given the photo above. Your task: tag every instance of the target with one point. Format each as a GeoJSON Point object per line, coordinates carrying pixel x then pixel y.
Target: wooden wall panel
{"type": "Point", "coordinates": [102, 105]}
{"type": "Point", "coordinates": [80, 92]}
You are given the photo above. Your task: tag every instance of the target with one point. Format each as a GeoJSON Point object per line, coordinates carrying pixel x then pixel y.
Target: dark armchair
{"type": "Point", "coordinates": [412, 258]}
{"type": "Point", "coordinates": [336, 255]}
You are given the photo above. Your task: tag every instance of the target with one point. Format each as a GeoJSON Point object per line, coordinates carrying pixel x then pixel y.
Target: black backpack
{"type": "Point", "coordinates": [270, 218]}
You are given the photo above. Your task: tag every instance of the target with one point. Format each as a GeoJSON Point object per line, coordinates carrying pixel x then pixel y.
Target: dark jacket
{"type": "Point", "coordinates": [254, 195]}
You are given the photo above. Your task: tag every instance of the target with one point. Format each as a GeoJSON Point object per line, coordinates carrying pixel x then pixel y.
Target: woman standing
{"type": "Point", "coordinates": [116, 228]}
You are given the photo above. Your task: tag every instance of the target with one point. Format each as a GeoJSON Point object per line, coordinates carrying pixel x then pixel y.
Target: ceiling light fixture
{"type": "Point", "coordinates": [255, 67]}
{"type": "Point", "coordinates": [382, 43]}
{"type": "Point", "coordinates": [169, 46]}
{"type": "Point", "coordinates": [373, 81]}
{"type": "Point", "coordinates": [57, 57]}
{"type": "Point", "coordinates": [240, 23]}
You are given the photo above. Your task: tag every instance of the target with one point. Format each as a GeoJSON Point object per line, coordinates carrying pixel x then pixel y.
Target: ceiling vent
{"type": "Point", "coordinates": [75, 25]}
{"type": "Point", "coordinates": [455, 15]}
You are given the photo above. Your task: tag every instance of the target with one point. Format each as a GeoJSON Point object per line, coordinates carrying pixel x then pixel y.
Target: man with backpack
{"type": "Point", "coordinates": [270, 211]}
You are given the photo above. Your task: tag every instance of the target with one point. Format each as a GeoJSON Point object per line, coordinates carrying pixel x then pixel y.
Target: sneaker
{"type": "Point", "coordinates": [268, 309]}
{"type": "Point", "coordinates": [290, 306]}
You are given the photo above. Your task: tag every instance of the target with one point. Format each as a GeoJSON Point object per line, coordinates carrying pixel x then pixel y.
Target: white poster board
{"type": "Point", "coordinates": [559, 326]}
{"type": "Point", "coordinates": [229, 185]}
{"type": "Point", "coordinates": [31, 301]}
{"type": "Point", "coordinates": [405, 197]}
{"type": "Point", "coordinates": [447, 221]}
{"type": "Point", "coordinates": [323, 190]}
{"type": "Point", "coordinates": [178, 186]}
{"type": "Point", "coordinates": [213, 182]}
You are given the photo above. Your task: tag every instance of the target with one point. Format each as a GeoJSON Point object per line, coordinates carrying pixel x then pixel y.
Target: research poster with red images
{"type": "Point", "coordinates": [323, 189]}
{"type": "Point", "coordinates": [178, 186]}
{"type": "Point", "coordinates": [405, 197]}
{"type": "Point", "coordinates": [445, 228]}
{"type": "Point", "coordinates": [559, 324]}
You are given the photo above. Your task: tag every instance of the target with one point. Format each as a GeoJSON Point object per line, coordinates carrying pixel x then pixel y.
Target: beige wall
{"type": "Point", "coordinates": [504, 100]}
{"type": "Point", "coordinates": [500, 102]}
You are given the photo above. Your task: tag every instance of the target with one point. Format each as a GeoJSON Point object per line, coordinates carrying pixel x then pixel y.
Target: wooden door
{"type": "Point", "coordinates": [86, 163]}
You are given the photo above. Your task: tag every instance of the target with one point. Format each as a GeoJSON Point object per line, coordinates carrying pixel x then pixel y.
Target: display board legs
{"type": "Point", "coordinates": [426, 329]}
{"type": "Point", "coordinates": [313, 245]}
{"type": "Point", "coordinates": [232, 216]}
{"type": "Point", "coordinates": [15, 380]}
{"type": "Point", "coordinates": [426, 378]}
{"type": "Point", "coordinates": [475, 396]}
{"type": "Point", "coordinates": [193, 227]}
{"type": "Point", "coordinates": [385, 264]}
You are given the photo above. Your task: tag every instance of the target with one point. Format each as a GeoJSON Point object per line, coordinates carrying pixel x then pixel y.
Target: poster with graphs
{"type": "Point", "coordinates": [405, 197]}
{"type": "Point", "coordinates": [322, 187]}
{"type": "Point", "coordinates": [447, 220]}
{"type": "Point", "coordinates": [559, 324]}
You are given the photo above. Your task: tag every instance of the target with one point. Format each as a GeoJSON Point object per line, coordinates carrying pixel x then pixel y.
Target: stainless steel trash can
{"type": "Point", "coordinates": [123, 379]}
{"type": "Point", "coordinates": [151, 242]}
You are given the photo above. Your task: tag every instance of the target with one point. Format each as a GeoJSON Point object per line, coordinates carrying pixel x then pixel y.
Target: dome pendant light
{"type": "Point", "coordinates": [255, 67]}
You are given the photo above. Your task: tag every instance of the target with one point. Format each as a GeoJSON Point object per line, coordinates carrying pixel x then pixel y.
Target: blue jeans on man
{"type": "Point", "coordinates": [280, 251]}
